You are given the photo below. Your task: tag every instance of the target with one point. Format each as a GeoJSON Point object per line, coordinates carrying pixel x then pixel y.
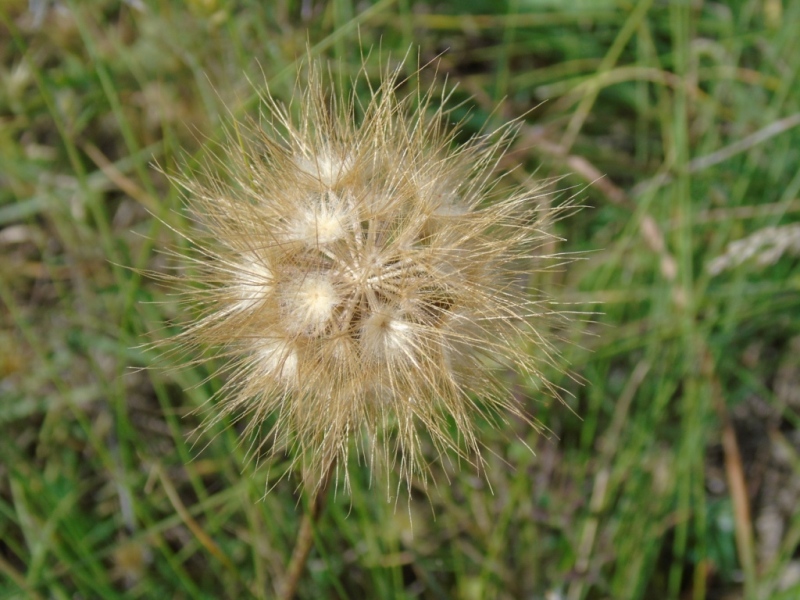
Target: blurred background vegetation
{"type": "Point", "coordinates": [676, 473]}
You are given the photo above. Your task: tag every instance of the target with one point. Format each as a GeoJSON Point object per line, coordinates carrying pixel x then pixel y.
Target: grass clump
{"type": "Point", "coordinates": [678, 480]}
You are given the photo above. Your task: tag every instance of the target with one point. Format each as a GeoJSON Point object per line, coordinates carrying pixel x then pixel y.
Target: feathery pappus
{"type": "Point", "coordinates": [365, 278]}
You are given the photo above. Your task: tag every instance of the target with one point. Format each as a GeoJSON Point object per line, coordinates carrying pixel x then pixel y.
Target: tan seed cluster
{"type": "Point", "coordinates": [365, 279]}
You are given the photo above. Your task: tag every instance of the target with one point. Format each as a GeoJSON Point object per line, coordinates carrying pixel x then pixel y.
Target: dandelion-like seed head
{"type": "Point", "coordinates": [365, 279]}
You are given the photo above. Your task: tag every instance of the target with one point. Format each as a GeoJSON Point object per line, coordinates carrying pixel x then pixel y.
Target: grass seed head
{"type": "Point", "coordinates": [364, 278]}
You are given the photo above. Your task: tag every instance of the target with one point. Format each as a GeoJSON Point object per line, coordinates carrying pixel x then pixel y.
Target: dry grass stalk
{"type": "Point", "coordinates": [765, 247]}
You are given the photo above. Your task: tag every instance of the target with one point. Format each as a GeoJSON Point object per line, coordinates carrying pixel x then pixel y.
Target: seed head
{"type": "Point", "coordinates": [365, 279]}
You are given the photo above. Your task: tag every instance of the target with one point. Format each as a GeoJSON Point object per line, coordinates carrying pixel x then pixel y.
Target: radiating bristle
{"type": "Point", "coordinates": [366, 278]}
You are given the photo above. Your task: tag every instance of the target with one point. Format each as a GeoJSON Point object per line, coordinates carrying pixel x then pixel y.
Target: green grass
{"type": "Point", "coordinates": [104, 493]}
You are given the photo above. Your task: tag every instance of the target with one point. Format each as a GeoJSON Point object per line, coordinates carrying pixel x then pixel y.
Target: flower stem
{"type": "Point", "coordinates": [305, 538]}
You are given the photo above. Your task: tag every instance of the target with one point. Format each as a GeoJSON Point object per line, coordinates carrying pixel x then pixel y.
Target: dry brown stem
{"type": "Point", "coordinates": [305, 539]}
